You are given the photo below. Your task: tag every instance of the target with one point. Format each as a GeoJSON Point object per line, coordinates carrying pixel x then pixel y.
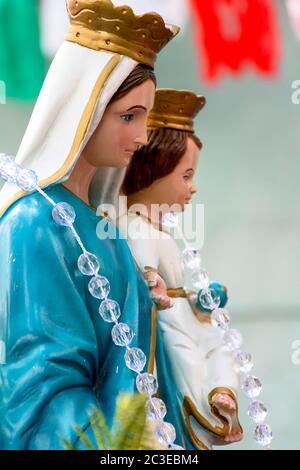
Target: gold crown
{"type": "Point", "coordinates": [98, 24]}
{"type": "Point", "coordinates": [175, 109]}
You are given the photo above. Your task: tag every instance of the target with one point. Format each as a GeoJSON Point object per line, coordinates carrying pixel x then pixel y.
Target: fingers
{"type": "Point", "coordinates": [161, 283]}
{"type": "Point", "coordinates": [158, 290]}
{"type": "Point", "coordinates": [235, 436]}
{"type": "Point", "coordinates": [163, 302]}
{"type": "Point", "coordinates": [152, 278]}
{"type": "Point", "coordinates": [227, 407]}
{"type": "Point", "coordinates": [224, 401]}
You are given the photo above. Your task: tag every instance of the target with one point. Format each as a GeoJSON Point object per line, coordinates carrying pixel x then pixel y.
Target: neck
{"type": "Point", "coordinates": [80, 179]}
{"type": "Point", "coordinates": [151, 207]}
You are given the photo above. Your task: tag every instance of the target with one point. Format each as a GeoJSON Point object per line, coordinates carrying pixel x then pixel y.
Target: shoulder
{"type": "Point", "coordinates": [29, 234]}
{"type": "Point", "coordinates": [29, 223]}
{"type": "Point", "coordinates": [28, 212]}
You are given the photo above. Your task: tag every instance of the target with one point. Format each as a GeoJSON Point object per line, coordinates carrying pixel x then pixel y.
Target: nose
{"type": "Point", "coordinates": [193, 188]}
{"type": "Point", "coordinates": [143, 136]}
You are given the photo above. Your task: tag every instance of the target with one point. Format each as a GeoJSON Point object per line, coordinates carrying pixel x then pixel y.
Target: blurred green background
{"type": "Point", "coordinates": [248, 180]}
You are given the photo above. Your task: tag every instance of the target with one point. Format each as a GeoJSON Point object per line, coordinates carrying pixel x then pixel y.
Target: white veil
{"type": "Point", "coordinates": [76, 91]}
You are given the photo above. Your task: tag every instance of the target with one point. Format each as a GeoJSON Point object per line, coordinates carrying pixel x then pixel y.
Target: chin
{"type": "Point", "coordinates": [181, 208]}
{"type": "Point", "coordinates": [127, 161]}
{"type": "Point", "coordinates": [119, 163]}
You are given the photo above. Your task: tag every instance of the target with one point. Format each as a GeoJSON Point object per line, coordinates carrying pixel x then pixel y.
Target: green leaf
{"type": "Point", "coordinates": [130, 422]}
{"type": "Point", "coordinates": [103, 426]}
{"type": "Point", "coordinates": [84, 438]}
{"type": "Point", "coordinates": [130, 430]}
{"type": "Point", "coordinates": [98, 434]}
{"type": "Point", "coordinates": [67, 445]}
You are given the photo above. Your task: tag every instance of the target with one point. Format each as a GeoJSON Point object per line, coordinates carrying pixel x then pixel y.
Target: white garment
{"type": "Point", "coordinates": [199, 361]}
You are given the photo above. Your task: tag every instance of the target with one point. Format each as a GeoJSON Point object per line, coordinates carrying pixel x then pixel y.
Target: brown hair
{"type": "Point", "coordinates": [140, 74]}
{"type": "Point", "coordinates": [157, 159]}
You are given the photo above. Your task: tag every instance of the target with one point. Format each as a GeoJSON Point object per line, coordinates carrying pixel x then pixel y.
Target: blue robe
{"type": "Point", "coordinates": [61, 361]}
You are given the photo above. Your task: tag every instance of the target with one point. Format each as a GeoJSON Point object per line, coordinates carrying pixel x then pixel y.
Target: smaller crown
{"type": "Point", "coordinates": [98, 25]}
{"type": "Point", "coordinates": [175, 109]}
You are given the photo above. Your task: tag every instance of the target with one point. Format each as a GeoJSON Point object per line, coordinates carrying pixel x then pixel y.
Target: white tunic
{"type": "Point", "coordinates": [199, 361]}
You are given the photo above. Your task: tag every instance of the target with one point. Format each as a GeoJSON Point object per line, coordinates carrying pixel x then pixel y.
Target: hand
{"type": "Point", "coordinates": [227, 407]}
{"type": "Point", "coordinates": [158, 290]}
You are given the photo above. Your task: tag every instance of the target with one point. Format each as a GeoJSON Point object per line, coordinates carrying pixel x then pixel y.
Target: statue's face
{"type": "Point", "coordinates": [122, 129]}
{"type": "Point", "coordinates": [178, 187]}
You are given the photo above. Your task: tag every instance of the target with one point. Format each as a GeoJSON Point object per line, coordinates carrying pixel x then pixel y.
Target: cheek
{"type": "Point", "coordinates": [181, 187]}
{"type": "Point", "coordinates": [175, 190]}
{"type": "Point", "coordinates": [103, 138]}
{"type": "Point", "coordinates": [125, 137]}
{"type": "Point", "coordinates": [122, 136]}
{"type": "Point", "coordinates": [111, 134]}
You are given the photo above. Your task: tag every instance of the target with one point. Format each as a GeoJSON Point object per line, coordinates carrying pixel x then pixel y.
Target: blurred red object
{"type": "Point", "coordinates": [234, 33]}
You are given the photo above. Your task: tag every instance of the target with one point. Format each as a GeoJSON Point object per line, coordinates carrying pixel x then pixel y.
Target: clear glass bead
{"type": "Point", "coordinates": [209, 299]}
{"type": "Point", "coordinates": [122, 334]}
{"type": "Point", "coordinates": [263, 434]}
{"type": "Point", "coordinates": [156, 409]}
{"type": "Point", "coordinates": [99, 287]}
{"type": "Point", "coordinates": [27, 180]}
{"type": "Point", "coordinates": [244, 362]}
{"type": "Point", "coordinates": [175, 447]}
{"type": "Point", "coordinates": [165, 433]}
{"type": "Point", "coordinates": [252, 386]}
{"type": "Point", "coordinates": [3, 159]}
{"type": "Point", "coordinates": [233, 339]}
{"type": "Point", "coordinates": [88, 264]}
{"type": "Point", "coordinates": [135, 359]}
{"type": "Point", "coordinates": [170, 220]}
{"type": "Point", "coordinates": [220, 318]}
{"type": "Point", "coordinates": [9, 169]}
{"type": "Point", "coordinates": [63, 214]}
{"type": "Point", "coordinates": [191, 258]}
{"type": "Point", "coordinates": [257, 411]}
{"type": "Point", "coordinates": [146, 383]}
{"type": "Point", "coordinates": [110, 311]}
{"type": "Point", "coordinates": [200, 278]}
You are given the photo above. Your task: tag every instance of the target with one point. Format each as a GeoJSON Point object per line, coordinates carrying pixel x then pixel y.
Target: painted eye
{"type": "Point", "coordinates": [127, 117]}
{"type": "Point", "coordinates": [186, 177]}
